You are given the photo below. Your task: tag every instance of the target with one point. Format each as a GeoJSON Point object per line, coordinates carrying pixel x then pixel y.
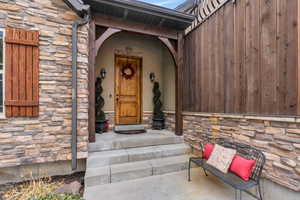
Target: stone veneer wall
{"type": "Point", "coordinates": [146, 119]}
{"type": "Point", "coordinates": [170, 120]}
{"type": "Point", "coordinates": [277, 137]}
{"type": "Point", "coordinates": [110, 116]}
{"type": "Point", "coordinates": [47, 138]}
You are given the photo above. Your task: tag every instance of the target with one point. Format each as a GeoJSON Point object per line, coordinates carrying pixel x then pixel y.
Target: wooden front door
{"type": "Point", "coordinates": [128, 90]}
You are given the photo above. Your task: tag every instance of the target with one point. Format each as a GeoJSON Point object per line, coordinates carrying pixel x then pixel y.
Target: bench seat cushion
{"type": "Point", "coordinates": [228, 178]}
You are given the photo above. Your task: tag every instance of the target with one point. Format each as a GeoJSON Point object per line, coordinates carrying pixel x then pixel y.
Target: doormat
{"type": "Point", "coordinates": [130, 129]}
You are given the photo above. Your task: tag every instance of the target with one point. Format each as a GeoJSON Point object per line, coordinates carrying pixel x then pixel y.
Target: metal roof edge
{"type": "Point", "coordinates": [186, 5]}
{"type": "Point", "coordinates": [149, 8]}
{"type": "Point", "coordinates": [78, 6]}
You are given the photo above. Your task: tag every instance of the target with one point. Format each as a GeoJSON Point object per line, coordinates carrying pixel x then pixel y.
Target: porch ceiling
{"type": "Point", "coordinates": [142, 12]}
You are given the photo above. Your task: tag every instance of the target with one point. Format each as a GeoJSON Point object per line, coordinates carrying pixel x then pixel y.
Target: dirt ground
{"type": "Point", "coordinates": [66, 179]}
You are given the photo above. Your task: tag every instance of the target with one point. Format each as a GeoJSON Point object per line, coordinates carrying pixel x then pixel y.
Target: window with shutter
{"type": "Point", "coordinates": [21, 73]}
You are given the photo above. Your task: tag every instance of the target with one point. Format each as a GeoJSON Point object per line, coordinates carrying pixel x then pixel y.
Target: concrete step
{"type": "Point", "coordinates": [112, 141]}
{"type": "Point", "coordinates": [134, 170]}
{"type": "Point", "coordinates": [104, 158]}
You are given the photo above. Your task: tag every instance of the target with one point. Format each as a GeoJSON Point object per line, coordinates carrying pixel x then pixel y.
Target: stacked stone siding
{"type": "Point", "coordinates": [110, 116]}
{"type": "Point", "coordinates": [170, 120]}
{"type": "Point", "coordinates": [146, 119]}
{"type": "Point", "coordinates": [47, 138]}
{"type": "Point", "coordinates": [278, 138]}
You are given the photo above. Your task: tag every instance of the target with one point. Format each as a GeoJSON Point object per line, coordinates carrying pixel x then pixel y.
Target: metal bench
{"type": "Point", "coordinates": [231, 179]}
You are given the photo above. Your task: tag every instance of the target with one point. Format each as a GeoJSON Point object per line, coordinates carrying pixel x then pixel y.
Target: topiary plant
{"type": "Point", "coordinates": [157, 111]}
{"type": "Point", "coordinates": [99, 102]}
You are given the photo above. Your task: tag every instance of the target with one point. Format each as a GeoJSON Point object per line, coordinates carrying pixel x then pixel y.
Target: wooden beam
{"type": "Point", "coordinates": [109, 32]}
{"type": "Point", "coordinates": [91, 82]}
{"type": "Point", "coordinates": [178, 60]}
{"type": "Point", "coordinates": [179, 84]}
{"type": "Point", "coordinates": [117, 23]}
{"type": "Point", "coordinates": [171, 48]}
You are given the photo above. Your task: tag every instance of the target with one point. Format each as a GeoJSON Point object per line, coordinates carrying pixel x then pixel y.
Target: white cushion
{"type": "Point", "coordinates": [221, 158]}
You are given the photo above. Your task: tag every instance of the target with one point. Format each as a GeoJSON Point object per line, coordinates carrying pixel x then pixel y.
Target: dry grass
{"type": "Point", "coordinates": [33, 188]}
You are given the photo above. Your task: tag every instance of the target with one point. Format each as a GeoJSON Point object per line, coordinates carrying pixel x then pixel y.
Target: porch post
{"type": "Point", "coordinates": [91, 82]}
{"type": "Point", "coordinates": [179, 83]}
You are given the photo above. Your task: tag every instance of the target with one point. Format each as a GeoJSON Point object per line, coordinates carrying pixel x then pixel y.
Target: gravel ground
{"type": "Point", "coordinates": [66, 179]}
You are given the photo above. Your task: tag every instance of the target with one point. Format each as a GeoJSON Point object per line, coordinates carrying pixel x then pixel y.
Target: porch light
{"type": "Point", "coordinates": [102, 73]}
{"type": "Point", "coordinates": [152, 76]}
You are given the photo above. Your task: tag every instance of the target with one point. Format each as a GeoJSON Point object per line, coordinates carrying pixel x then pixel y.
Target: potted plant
{"type": "Point", "coordinates": [158, 115]}
{"type": "Point", "coordinates": [101, 122]}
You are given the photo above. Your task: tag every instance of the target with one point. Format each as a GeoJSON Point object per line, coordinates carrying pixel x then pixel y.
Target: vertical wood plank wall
{"type": "Point", "coordinates": [298, 73]}
{"type": "Point", "coordinates": [244, 59]}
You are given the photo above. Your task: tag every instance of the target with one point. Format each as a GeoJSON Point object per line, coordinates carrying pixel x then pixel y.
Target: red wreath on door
{"type": "Point", "coordinates": [127, 71]}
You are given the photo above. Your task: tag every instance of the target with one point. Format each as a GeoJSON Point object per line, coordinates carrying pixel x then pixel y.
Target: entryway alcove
{"type": "Point", "coordinates": [128, 60]}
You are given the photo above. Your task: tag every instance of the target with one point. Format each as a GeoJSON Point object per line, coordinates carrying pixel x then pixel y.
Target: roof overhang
{"type": "Point", "coordinates": [78, 6]}
{"type": "Point", "coordinates": [141, 12]}
{"type": "Point", "coordinates": [187, 5]}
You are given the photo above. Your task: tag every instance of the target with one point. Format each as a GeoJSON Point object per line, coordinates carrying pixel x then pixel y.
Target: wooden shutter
{"type": "Point", "coordinates": [21, 73]}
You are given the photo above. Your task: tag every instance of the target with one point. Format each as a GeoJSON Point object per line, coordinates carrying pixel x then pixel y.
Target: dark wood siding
{"type": "Point", "coordinates": [243, 59]}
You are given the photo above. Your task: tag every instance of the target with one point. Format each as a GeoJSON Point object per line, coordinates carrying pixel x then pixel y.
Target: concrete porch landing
{"type": "Point", "coordinates": [173, 186]}
{"type": "Point", "coordinates": [113, 141]}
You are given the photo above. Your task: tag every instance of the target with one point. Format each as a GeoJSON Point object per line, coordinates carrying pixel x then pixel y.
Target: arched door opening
{"type": "Point", "coordinates": [147, 55]}
{"type": "Point", "coordinates": [156, 54]}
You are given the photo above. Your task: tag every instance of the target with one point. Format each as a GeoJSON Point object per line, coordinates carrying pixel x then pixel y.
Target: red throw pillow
{"type": "Point", "coordinates": [208, 149]}
{"type": "Point", "coordinates": [242, 167]}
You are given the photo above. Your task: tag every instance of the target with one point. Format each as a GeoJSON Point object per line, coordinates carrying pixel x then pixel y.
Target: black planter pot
{"type": "Point", "coordinates": [158, 124]}
{"type": "Point", "coordinates": [101, 126]}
